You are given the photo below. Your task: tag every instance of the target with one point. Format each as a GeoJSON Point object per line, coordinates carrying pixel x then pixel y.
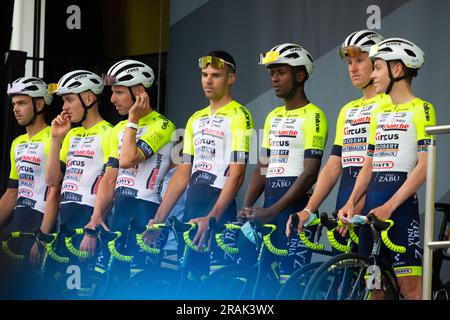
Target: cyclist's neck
{"type": "Point", "coordinates": [92, 119]}
{"type": "Point", "coordinates": [295, 102]}
{"type": "Point", "coordinates": [219, 103]}
{"type": "Point", "coordinates": [401, 93]}
{"type": "Point", "coordinates": [38, 125]}
{"type": "Point", "coordinates": [369, 92]}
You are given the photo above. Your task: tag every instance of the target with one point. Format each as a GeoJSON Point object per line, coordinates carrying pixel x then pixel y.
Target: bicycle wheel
{"type": "Point", "coordinates": [344, 278]}
{"type": "Point", "coordinates": [152, 283]}
{"type": "Point", "coordinates": [294, 287]}
{"type": "Point", "coordinates": [231, 282]}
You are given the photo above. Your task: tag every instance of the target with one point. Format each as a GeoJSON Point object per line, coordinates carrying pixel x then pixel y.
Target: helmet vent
{"type": "Point", "coordinates": [410, 53]}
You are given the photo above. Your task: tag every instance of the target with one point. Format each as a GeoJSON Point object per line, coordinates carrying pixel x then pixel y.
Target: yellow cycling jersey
{"type": "Point", "coordinates": [290, 136]}
{"type": "Point", "coordinates": [84, 154]}
{"type": "Point", "coordinates": [213, 141]}
{"type": "Point", "coordinates": [397, 134]}
{"type": "Point", "coordinates": [154, 141]}
{"type": "Point", "coordinates": [28, 159]}
{"type": "Point", "coordinates": [352, 130]}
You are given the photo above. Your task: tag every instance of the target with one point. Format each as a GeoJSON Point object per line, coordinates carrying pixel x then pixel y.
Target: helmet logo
{"type": "Point", "coordinates": [132, 70]}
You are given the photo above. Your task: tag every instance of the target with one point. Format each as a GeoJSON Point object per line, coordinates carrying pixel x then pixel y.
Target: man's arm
{"type": "Point", "coordinates": [105, 195]}
{"type": "Point", "coordinates": [409, 187]}
{"type": "Point", "coordinates": [256, 185]}
{"type": "Point", "coordinates": [177, 185]}
{"type": "Point", "coordinates": [53, 174]}
{"type": "Point", "coordinates": [327, 179]}
{"type": "Point", "coordinates": [51, 209]}
{"type": "Point", "coordinates": [299, 188]}
{"type": "Point", "coordinates": [7, 204]}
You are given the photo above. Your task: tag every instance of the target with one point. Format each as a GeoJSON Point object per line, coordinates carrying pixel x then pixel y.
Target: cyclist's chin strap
{"type": "Point", "coordinates": [295, 85]}
{"type": "Point", "coordinates": [35, 113]}
{"type": "Point", "coordinates": [368, 84]}
{"type": "Point", "coordinates": [392, 80]}
{"type": "Point", "coordinates": [133, 97]}
{"type": "Point", "coordinates": [85, 107]}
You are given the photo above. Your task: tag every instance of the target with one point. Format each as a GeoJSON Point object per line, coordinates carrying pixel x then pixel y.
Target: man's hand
{"type": "Point", "coordinates": [262, 215]}
{"type": "Point", "coordinates": [383, 212]}
{"type": "Point", "coordinates": [244, 213]}
{"type": "Point", "coordinates": [345, 215]}
{"type": "Point", "coordinates": [35, 255]}
{"type": "Point", "coordinates": [150, 236]}
{"type": "Point", "coordinates": [140, 108]}
{"type": "Point", "coordinates": [89, 243]}
{"type": "Point", "coordinates": [203, 226]}
{"type": "Point", "coordinates": [60, 125]}
{"type": "Point", "coordinates": [303, 216]}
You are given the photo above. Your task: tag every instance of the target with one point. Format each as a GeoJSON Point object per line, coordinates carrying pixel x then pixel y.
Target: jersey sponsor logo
{"type": "Point", "coordinates": [279, 152]}
{"type": "Point", "coordinates": [74, 171]}
{"type": "Point", "coordinates": [26, 202]}
{"type": "Point", "coordinates": [78, 163]}
{"type": "Point", "coordinates": [383, 164]}
{"type": "Point", "coordinates": [280, 184]}
{"type": "Point", "coordinates": [278, 159]}
{"type": "Point", "coordinates": [348, 131]}
{"type": "Point", "coordinates": [395, 126]}
{"type": "Point", "coordinates": [388, 136]}
{"type": "Point", "coordinates": [356, 140]}
{"type": "Point", "coordinates": [247, 117]}
{"type": "Point", "coordinates": [26, 184]}
{"type": "Point", "coordinates": [359, 160]}
{"type": "Point", "coordinates": [317, 122]}
{"type": "Point", "coordinates": [206, 141]}
{"type": "Point", "coordinates": [284, 133]}
{"type": "Point", "coordinates": [203, 166]}
{"type": "Point", "coordinates": [132, 172]}
{"type": "Point", "coordinates": [204, 178]}
{"type": "Point", "coordinates": [70, 186]}
{"type": "Point", "coordinates": [31, 159]}
{"type": "Point", "coordinates": [353, 148]}
{"type": "Point", "coordinates": [388, 178]}
{"type": "Point", "coordinates": [277, 143]}
{"type": "Point", "coordinates": [214, 132]}
{"type": "Point", "coordinates": [70, 196]}
{"type": "Point", "coordinates": [83, 153]}
{"type": "Point", "coordinates": [128, 192]}
{"type": "Point", "coordinates": [275, 171]}
{"type": "Point", "coordinates": [124, 181]}
{"type": "Point", "coordinates": [381, 146]}
{"type": "Point", "coordinates": [25, 169]}
{"type": "Point", "coordinates": [426, 109]}
{"type": "Point", "coordinates": [26, 176]}
{"type": "Point", "coordinates": [358, 121]}
{"type": "Point", "coordinates": [318, 142]}
{"type": "Point", "coordinates": [25, 192]}
{"type": "Point", "coordinates": [155, 172]}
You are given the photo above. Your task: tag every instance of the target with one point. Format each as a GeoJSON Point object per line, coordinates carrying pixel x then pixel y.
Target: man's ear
{"type": "Point", "coordinates": [398, 70]}
{"type": "Point", "coordinates": [40, 104]}
{"type": "Point", "coordinates": [139, 89]}
{"type": "Point", "coordinates": [301, 76]}
{"type": "Point", "coordinates": [231, 78]}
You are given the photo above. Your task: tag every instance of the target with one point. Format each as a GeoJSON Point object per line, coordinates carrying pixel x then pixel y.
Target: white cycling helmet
{"type": "Point", "coordinates": [359, 41]}
{"type": "Point", "coordinates": [129, 73]}
{"type": "Point", "coordinates": [30, 86]}
{"type": "Point", "coordinates": [288, 53]}
{"type": "Point", "coordinates": [79, 81]}
{"type": "Point", "coordinates": [399, 49]}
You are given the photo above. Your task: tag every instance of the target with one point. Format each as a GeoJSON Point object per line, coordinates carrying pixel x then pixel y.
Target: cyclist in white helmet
{"type": "Point", "coordinates": [139, 158]}
{"type": "Point", "coordinates": [291, 152]}
{"type": "Point", "coordinates": [28, 204]}
{"type": "Point", "coordinates": [81, 152]}
{"type": "Point", "coordinates": [352, 127]}
{"type": "Point", "coordinates": [396, 160]}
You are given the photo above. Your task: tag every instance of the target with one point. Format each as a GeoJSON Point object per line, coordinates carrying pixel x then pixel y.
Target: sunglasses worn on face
{"type": "Point", "coordinates": [351, 51]}
{"type": "Point", "coordinates": [215, 62]}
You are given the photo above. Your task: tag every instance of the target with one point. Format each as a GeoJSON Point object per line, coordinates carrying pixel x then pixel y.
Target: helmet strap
{"type": "Point", "coordinates": [133, 97]}
{"type": "Point", "coordinates": [35, 114]}
{"type": "Point", "coordinates": [85, 107]}
{"type": "Point", "coordinates": [392, 80]}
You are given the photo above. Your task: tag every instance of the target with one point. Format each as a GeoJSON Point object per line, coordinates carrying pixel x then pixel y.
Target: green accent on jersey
{"type": "Point", "coordinates": [85, 154]}
{"type": "Point", "coordinates": [213, 141]}
{"type": "Point", "coordinates": [28, 159]}
{"type": "Point", "coordinates": [397, 134]}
